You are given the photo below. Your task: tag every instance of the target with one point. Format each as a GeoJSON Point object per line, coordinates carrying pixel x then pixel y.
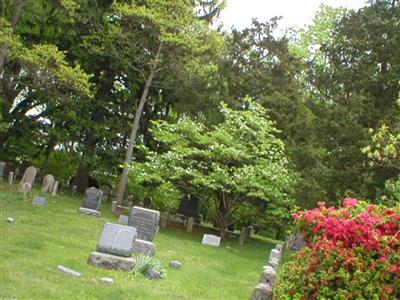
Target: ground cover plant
{"type": "Point", "coordinates": [352, 252]}
{"type": "Point", "coordinates": [41, 238]}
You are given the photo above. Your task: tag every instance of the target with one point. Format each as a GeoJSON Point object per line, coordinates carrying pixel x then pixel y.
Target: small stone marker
{"type": "Point", "coordinates": [74, 189]}
{"type": "Point", "coordinates": [123, 220]}
{"type": "Point", "coordinates": [28, 178]}
{"type": "Point", "coordinates": [68, 271]}
{"type": "Point", "coordinates": [107, 280]}
{"type": "Point", "coordinates": [145, 221]}
{"type": "Point", "coordinates": [92, 198]}
{"type": "Point", "coordinates": [55, 188]}
{"type": "Point", "coordinates": [38, 200]}
{"type": "Point", "coordinates": [164, 219]}
{"type": "Point", "coordinates": [212, 240]}
{"type": "Point", "coordinates": [10, 178]}
{"type": "Point", "coordinates": [2, 169]}
{"type": "Point", "coordinates": [189, 226]}
{"type": "Point", "coordinates": [114, 206]}
{"type": "Point", "coordinates": [242, 236]}
{"type": "Point", "coordinates": [175, 264]}
{"type": "Point", "coordinates": [47, 184]}
{"type": "Point", "coordinates": [90, 212]}
{"type": "Point", "coordinates": [117, 239]}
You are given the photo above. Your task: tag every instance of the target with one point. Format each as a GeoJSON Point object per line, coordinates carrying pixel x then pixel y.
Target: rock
{"type": "Point", "coordinates": [274, 263]}
{"type": "Point", "coordinates": [268, 275]}
{"type": "Point", "coordinates": [175, 264]}
{"type": "Point", "coordinates": [262, 291]}
{"type": "Point", "coordinates": [68, 271]}
{"type": "Point", "coordinates": [89, 211]}
{"type": "Point", "coordinates": [145, 247]}
{"type": "Point", "coordinates": [109, 261]}
{"type": "Point", "coordinates": [107, 280]}
{"type": "Point", "coordinates": [279, 247]}
{"type": "Point", "coordinates": [152, 274]}
{"type": "Point", "coordinates": [10, 220]}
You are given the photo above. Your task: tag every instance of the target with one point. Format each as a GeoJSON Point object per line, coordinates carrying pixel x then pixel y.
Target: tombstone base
{"type": "Point", "coordinates": [145, 247]}
{"type": "Point", "coordinates": [88, 211]}
{"type": "Point", "coordinates": [109, 261]}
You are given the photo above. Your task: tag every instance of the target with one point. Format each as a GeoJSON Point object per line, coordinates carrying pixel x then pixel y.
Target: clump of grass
{"type": "Point", "coordinates": [145, 262]}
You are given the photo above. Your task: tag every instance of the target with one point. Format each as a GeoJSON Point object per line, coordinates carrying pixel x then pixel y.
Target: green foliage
{"type": "Point", "coordinates": [237, 161]}
{"type": "Point", "coordinates": [143, 262]}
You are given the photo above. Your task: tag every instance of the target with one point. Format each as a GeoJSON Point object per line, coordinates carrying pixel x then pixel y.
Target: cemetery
{"type": "Point", "coordinates": [202, 149]}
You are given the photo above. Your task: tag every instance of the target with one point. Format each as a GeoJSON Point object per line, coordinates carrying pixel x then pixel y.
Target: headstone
{"type": "Point", "coordinates": [117, 239]}
{"type": "Point", "coordinates": [164, 219]}
{"type": "Point", "coordinates": [68, 271]}
{"type": "Point", "coordinates": [212, 240]}
{"type": "Point", "coordinates": [10, 178]}
{"type": "Point", "coordinates": [123, 220]}
{"type": "Point", "coordinates": [106, 190]}
{"type": "Point", "coordinates": [145, 221]}
{"type": "Point", "coordinates": [25, 187]}
{"type": "Point", "coordinates": [242, 236]}
{"type": "Point", "coordinates": [55, 188]}
{"type": "Point", "coordinates": [92, 198]}
{"type": "Point", "coordinates": [28, 177]}
{"type": "Point", "coordinates": [37, 200]}
{"type": "Point", "coordinates": [88, 211]}
{"type": "Point", "coordinates": [110, 261]}
{"type": "Point", "coordinates": [2, 169]}
{"type": "Point", "coordinates": [47, 184]}
{"type": "Point", "coordinates": [147, 202]}
{"type": "Point", "coordinates": [114, 206]}
{"type": "Point", "coordinates": [189, 226]}
{"type": "Point", "coordinates": [17, 172]}
{"type": "Point", "coordinates": [145, 247]}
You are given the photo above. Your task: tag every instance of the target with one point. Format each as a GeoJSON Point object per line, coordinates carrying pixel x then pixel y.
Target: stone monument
{"type": "Point", "coordinates": [91, 202]}
{"type": "Point", "coordinates": [47, 184]}
{"type": "Point", "coordinates": [28, 179]}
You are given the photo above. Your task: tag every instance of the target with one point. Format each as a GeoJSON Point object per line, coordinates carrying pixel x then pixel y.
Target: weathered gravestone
{"type": "Point", "coordinates": [115, 248]}
{"type": "Point", "coordinates": [37, 200]}
{"type": "Point", "coordinates": [55, 188]}
{"type": "Point", "coordinates": [2, 169]}
{"type": "Point", "coordinates": [146, 223]}
{"type": "Point", "coordinates": [28, 178]}
{"type": "Point", "coordinates": [91, 202]}
{"type": "Point", "coordinates": [212, 240]}
{"type": "Point", "coordinates": [123, 220]}
{"type": "Point", "coordinates": [47, 184]}
{"type": "Point", "coordinates": [106, 192]}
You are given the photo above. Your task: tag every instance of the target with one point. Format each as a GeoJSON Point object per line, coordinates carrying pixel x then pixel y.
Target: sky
{"type": "Point", "coordinates": [238, 13]}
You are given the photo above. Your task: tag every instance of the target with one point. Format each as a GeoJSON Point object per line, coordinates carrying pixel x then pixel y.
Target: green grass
{"type": "Point", "coordinates": [41, 238]}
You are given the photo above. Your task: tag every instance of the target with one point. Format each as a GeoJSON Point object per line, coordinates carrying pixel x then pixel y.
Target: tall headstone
{"type": "Point", "coordinates": [28, 178]}
{"type": "Point", "coordinates": [2, 169]}
{"type": "Point", "coordinates": [55, 188]}
{"type": "Point", "coordinates": [91, 202]}
{"type": "Point", "coordinates": [145, 221]}
{"type": "Point", "coordinates": [106, 192]}
{"type": "Point", "coordinates": [189, 225]}
{"type": "Point", "coordinates": [147, 202]}
{"type": "Point", "coordinates": [47, 184]}
{"type": "Point", "coordinates": [10, 178]}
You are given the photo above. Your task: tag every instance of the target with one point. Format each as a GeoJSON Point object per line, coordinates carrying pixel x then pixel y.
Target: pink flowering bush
{"type": "Point", "coordinates": [352, 252]}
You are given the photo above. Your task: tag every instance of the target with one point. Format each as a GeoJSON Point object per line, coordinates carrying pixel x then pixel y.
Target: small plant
{"type": "Point", "coordinates": [145, 262]}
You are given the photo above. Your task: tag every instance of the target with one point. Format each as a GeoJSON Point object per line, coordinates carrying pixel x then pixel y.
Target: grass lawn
{"type": "Point", "coordinates": [41, 238]}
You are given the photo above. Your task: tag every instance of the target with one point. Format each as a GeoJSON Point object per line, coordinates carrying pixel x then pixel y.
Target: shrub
{"type": "Point", "coordinates": [143, 262]}
{"type": "Point", "coordinates": [352, 253]}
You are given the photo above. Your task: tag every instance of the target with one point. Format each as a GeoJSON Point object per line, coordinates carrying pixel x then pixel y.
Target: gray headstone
{"type": "Point", "coordinates": [210, 239]}
{"type": "Point", "coordinates": [37, 200]}
{"type": "Point", "coordinates": [117, 239]}
{"type": "Point", "coordinates": [92, 198]}
{"type": "Point", "coordinates": [145, 247]}
{"type": "Point", "coordinates": [123, 220]}
{"type": "Point", "coordinates": [106, 190]}
{"type": "Point", "coordinates": [55, 188]}
{"type": "Point", "coordinates": [145, 221]}
{"type": "Point", "coordinates": [29, 175]}
{"type": "Point", "coordinates": [47, 184]}
{"type": "Point", "coordinates": [2, 168]}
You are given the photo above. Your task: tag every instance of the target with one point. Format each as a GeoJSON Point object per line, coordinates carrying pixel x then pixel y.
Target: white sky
{"type": "Point", "coordinates": [238, 13]}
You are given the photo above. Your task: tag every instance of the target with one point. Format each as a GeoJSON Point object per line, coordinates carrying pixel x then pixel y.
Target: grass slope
{"type": "Point", "coordinates": [41, 238]}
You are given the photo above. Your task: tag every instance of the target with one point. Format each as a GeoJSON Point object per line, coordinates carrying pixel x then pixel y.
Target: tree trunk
{"type": "Point", "coordinates": [135, 128]}
{"type": "Point", "coordinates": [81, 179]}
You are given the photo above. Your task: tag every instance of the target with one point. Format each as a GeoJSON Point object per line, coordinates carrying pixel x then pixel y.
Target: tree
{"type": "Point", "coordinates": [235, 163]}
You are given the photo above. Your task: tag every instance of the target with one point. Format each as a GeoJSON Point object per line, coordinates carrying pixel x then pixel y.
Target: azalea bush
{"type": "Point", "coordinates": [352, 252]}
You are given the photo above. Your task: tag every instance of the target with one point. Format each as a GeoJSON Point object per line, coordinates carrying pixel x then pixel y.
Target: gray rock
{"type": "Point", "coordinates": [274, 263]}
{"type": "Point", "coordinates": [268, 275]}
{"type": "Point", "coordinates": [152, 274]}
{"type": "Point", "coordinates": [107, 280]}
{"type": "Point", "coordinates": [262, 291]}
{"type": "Point", "coordinates": [109, 261]}
{"type": "Point", "coordinates": [68, 271]}
{"type": "Point", "coordinates": [117, 239]}
{"type": "Point", "coordinates": [141, 246]}
{"type": "Point", "coordinates": [275, 254]}
{"type": "Point", "coordinates": [145, 221]}
{"type": "Point", "coordinates": [88, 211]}
{"type": "Point", "coordinates": [175, 264]}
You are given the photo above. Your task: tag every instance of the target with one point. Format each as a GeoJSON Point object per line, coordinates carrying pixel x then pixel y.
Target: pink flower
{"type": "Point", "coordinates": [350, 202]}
